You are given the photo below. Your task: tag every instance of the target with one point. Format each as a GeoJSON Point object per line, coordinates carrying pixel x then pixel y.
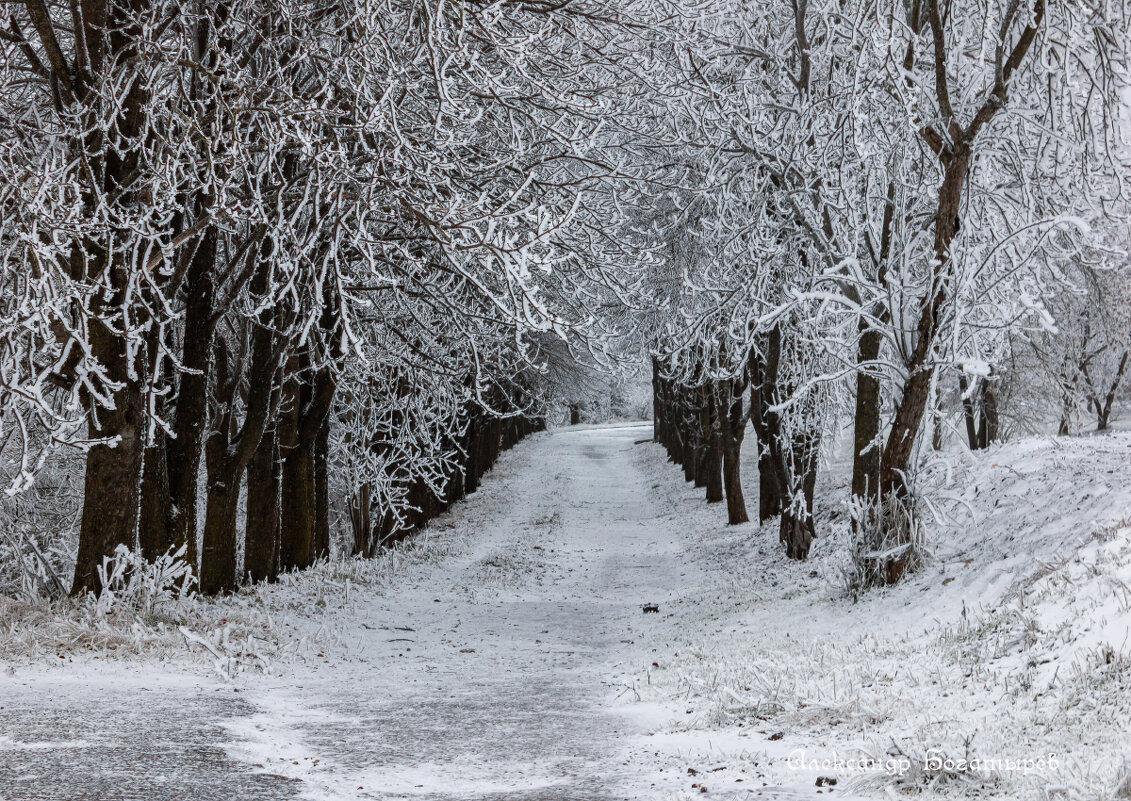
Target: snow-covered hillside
{"type": "Point", "coordinates": [1010, 650]}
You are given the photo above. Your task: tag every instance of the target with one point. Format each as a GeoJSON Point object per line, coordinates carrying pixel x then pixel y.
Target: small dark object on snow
{"type": "Point", "coordinates": [777, 736]}
{"type": "Point", "coordinates": [692, 772]}
{"type": "Point", "coordinates": [826, 781]}
{"type": "Point", "coordinates": [651, 608]}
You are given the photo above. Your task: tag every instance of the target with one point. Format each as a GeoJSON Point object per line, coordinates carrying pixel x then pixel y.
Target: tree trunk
{"type": "Point", "coordinates": [264, 505]}
{"type": "Point", "coordinates": [299, 507]}
{"type": "Point", "coordinates": [703, 454]}
{"type": "Point", "coordinates": [299, 524]}
{"type": "Point", "coordinates": [218, 552]}
{"type": "Point", "coordinates": [153, 527]}
{"type": "Point", "coordinates": [733, 434]}
{"type": "Point", "coordinates": [866, 432]}
{"type": "Point", "coordinates": [227, 456]}
{"type": "Point", "coordinates": [360, 521]}
{"type": "Point", "coordinates": [713, 458]}
{"type": "Point", "coordinates": [762, 389]}
{"type": "Point", "coordinates": [218, 556]}
{"type": "Point", "coordinates": [322, 492]}
{"type": "Point", "coordinates": [901, 440]}
{"type": "Point", "coordinates": [187, 445]}
{"type": "Point", "coordinates": [112, 485]}
{"type": "Point", "coordinates": [689, 428]}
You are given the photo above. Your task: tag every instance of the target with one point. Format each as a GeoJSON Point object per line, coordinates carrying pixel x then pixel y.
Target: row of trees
{"type": "Point", "coordinates": [878, 201]}
{"type": "Point", "coordinates": [306, 253]}
{"type": "Point", "coordinates": [315, 253]}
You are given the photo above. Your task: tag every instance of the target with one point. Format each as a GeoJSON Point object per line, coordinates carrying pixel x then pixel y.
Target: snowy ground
{"type": "Point", "coordinates": [1010, 650]}
{"type": "Point", "coordinates": [507, 654]}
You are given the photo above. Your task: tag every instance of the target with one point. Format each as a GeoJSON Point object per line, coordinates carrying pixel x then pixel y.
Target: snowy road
{"type": "Point", "coordinates": [483, 673]}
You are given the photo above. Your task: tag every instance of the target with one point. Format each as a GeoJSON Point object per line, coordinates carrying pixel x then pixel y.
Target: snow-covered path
{"type": "Point", "coordinates": [483, 672]}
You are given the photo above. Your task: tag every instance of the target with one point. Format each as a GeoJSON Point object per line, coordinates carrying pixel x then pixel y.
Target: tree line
{"type": "Point", "coordinates": [308, 253]}
{"type": "Point", "coordinates": [885, 211]}
{"type": "Point", "coordinates": [307, 266]}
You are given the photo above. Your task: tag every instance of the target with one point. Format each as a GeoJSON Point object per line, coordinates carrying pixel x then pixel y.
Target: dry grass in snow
{"type": "Point", "coordinates": [1001, 670]}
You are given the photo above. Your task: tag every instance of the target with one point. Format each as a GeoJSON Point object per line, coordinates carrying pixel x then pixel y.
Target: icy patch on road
{"type": "Point", "coordinates": [8, 744]}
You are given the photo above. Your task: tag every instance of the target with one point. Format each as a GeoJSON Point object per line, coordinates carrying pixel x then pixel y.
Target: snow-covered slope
{"type": "Point", "coordinates": [1010, 650]}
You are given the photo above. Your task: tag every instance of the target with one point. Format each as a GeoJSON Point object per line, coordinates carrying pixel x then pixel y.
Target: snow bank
{"type": "Point", "coordinates": [1001, 670]}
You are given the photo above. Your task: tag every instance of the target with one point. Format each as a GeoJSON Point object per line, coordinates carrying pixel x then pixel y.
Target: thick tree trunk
{"type": "Point", "coordinates": [796, 531]}
{"type": "Point", "coordinates": [968, 413]}
{"type": "Point", "coordinates": [264, 505]}
{"type": "Point", "coordinates": [112, 483]}
{"type": "Point", "coordinates": [981, 418]}
{"type": "Point", "coordinates": [227, 456]}
{"type": "Point", "coordinates": [218, 556]}
{"type": "Point", "coordinates": [299, 507]}
{"type": "Point", "coordinates": [798, 528]}
{"type": "Point", "coordinates": [153, 527]}
{"type": "Point", "coordinates": [112, 486]}
{"type": "Point", "coordinates": [703, 454]}
{"type": "Point", "coordinates": [732, 480]}
{"type": "Point", "coordinates": [770, 488]}
{"type": "Point", "coordinates": [299, 525]}
{"type": "Point", "coordinates": [187, 445]}
{"type": "Point", "coordinates": [689, 428]}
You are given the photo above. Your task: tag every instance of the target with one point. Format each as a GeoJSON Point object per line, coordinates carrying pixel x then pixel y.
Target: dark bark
{"type": "Point", "coordinates": [322, 492]}
{"type": "Point", "coordinates": [981, 416]}
{"type": "Point", "coordinates": [713, 450]}
{"type": "Point", "coordinates": [733, 433]}
{"type": "Point", "coordinates": [112, 483]}
{"type": "Point", "coordinates": [187, 445]}
{"type": "Point", "coordinates": [153, 529]}
{"type": "Point", "coordinates": [361, 525]}
{"type": "Point", "coordinates": [1103, 406]}
{"type": "Point", "coordinates": [299, 507]}
{"type": "Point", "coordinates": [299, 524]}
{"type": "Point", "coordinates": [227, 455]}
{"type": "Point", "coordinates": [901, 439]}
{"type": "Point", "coordinates": [866, 431]}
{"type": "Point", "coordinates": [954, 147]}
{"type": "Point", "coordinates": [218, 553]}
{"type": "Point", "coordinates": [770, 488]}
{"type": "Point", "coordinates": [264, 505]}
{"type": "Point", "coordinates": [702, 422]}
